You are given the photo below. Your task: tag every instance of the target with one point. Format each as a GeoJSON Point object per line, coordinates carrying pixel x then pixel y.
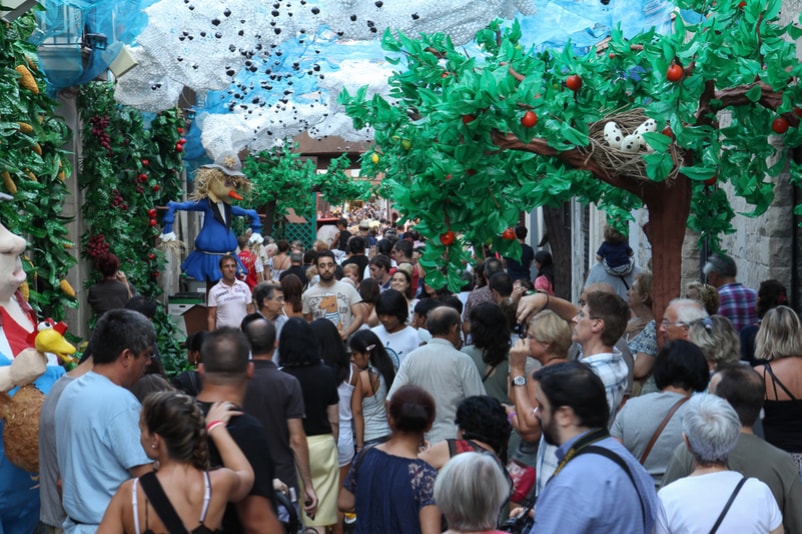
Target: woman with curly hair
{"type": "Point", "coordinates": [482, 425]}
{"type": "Point", "coordinates": [704, 293]}
{"type": "Point", "coordinates": [173, 434]}
{"type": "Point", "coordinates": [490, 335]}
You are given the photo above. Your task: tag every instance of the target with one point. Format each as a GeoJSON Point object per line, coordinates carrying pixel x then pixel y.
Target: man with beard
{"type": "Point", "coordinates": [331, 299]}
{"type": "Point", "coordinates": [600, 484]}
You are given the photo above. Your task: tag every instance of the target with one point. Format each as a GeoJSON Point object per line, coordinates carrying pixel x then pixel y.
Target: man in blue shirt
{"type": "Point", "coordinates": [598, 485]}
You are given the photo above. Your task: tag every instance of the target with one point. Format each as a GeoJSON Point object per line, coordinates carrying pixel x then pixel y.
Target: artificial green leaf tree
{"type": "Point", "coordinates": [282, 180]}
{"type": "Point", "coordinates": [467, 142]}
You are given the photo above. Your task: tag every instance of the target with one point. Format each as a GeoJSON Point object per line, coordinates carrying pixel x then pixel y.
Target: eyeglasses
{"type": "Point", "coordinates": [679, 324]}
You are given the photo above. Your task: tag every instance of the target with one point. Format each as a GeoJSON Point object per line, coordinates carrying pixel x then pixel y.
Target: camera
{"type": "Point", "coordinates": [518, 524]}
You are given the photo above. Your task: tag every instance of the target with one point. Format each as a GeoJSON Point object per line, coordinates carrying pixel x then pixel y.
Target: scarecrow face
{"type": "Point", "coordinates": [222, 188]}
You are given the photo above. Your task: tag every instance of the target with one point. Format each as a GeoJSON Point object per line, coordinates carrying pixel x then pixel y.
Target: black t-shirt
{"type": "Point", "coordinates": [517, 269]}
{"type": "Point", "coordinates": [342, 244]}
{"type": "Point", "coordinates": [298, 271]}
{"type": "Point", "coordinates": [250, 436]}
{"type": "Point", "coordinates": [319, 388]}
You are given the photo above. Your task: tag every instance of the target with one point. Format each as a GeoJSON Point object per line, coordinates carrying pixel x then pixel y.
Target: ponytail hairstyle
{"type": "Point", "coordinates": [179, 421]}
{"type": "Point", "coordinates": [367, 342]}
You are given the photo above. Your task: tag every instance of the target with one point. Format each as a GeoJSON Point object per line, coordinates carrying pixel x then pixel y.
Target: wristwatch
{"type": "Point", "coordinates": [519, 380]}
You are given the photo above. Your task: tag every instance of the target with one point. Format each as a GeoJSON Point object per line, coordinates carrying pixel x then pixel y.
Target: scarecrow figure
{"type": "Point", "coordinates": [217, 184]}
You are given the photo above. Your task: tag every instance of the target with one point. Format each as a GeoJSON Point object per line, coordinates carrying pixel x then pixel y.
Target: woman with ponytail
{"type": "Point", "coordinates": [390, 489]}
{"type": "Point", "coordinates": [376, 377]}
{"type": "Point", "coordinates": [182, 496]}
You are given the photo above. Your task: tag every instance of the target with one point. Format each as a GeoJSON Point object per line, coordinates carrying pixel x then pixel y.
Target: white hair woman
{"type": "Point", "coordinates": [713, 498]}
{"type": "Point", "coordinates": [470, 490]}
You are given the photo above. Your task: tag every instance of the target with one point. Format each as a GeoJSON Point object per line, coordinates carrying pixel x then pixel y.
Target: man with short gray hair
{"type": "Point", "coordinates": [680, 313]}
{"type": "Point", "coordinates": [736, 301]}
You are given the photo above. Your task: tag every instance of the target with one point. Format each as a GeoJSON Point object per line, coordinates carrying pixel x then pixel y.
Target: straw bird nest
{"type": "Point", "coordinates": [620, 162]}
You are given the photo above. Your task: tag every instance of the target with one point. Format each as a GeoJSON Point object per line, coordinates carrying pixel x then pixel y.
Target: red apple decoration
{"type": "Point", "coordinates": [447, 238]}
{"type": "Point", "coordinates": [529, 119]}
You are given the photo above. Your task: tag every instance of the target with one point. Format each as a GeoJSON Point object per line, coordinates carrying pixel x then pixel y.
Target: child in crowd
{"type": "Point", "coordinates": [615, 251]}
{"type": "Point", "coordinates": [351, 271]}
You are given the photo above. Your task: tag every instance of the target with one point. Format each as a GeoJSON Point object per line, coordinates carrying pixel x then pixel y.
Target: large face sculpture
{"type": "Point", "coordinates": [11, 273]}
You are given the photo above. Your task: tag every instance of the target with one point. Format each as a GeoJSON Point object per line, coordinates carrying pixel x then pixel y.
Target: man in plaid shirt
{"type": "Point", "coordinates": [736, 301]}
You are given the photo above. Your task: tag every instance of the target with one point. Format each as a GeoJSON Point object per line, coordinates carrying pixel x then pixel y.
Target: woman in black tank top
{"type": "Point", "coordinates": [182, 497]}
{"type": "Point", "coordinates": [779, 343]}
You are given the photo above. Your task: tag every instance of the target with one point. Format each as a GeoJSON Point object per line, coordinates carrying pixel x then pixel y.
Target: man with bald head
{"type": "Point", "coordinates": [680, 313]}
{"type": "Point", "coordinates": [449, 375]}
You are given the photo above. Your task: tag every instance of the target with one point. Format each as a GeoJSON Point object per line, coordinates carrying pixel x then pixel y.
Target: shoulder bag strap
{"type": "Point", "coordinates": [489, 372]}
{"type": "Point", "coordinates": [727, 506]}
{"type": "Point", "coordinates": [607, 453]}
{"type": "Point", "coordinates": [158, 499]}
{"type": "Point", "coordinates": [660, 429]}
{"type": "Point", "coordinates": [625, 281]}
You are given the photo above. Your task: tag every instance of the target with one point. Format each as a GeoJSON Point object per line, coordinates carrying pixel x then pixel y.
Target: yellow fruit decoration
{"type": "Point", "coordinates": [11, 187]}
{"type": "Point", "coordinates": [37, 148]}
{"type": "Point", "coordinates": [25, 128]}
{"type": "Point", "coordinates": [67, 288]}
{"type": "Point", "coordinates": [27, 80]}
{"type": "Point", "coordinates": [32, 176]}
{"type": "Point", "coordinates": [374, 158]}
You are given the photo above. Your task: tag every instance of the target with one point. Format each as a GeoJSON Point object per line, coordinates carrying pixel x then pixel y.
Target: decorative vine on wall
{"type": "Point", "coordinates": [33, 168]}
{"type": "Point", "coordinates": [129, 168]}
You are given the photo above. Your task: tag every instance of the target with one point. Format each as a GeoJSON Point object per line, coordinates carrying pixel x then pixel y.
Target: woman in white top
{"type": "Point", "coordinates": [699, 502]}
{"type": "Point", "coordinates": [376, 377]}
{"type": "Point", "coordinates": [281, 261]}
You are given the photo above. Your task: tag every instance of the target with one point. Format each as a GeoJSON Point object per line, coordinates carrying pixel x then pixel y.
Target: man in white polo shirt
{"type": "Point", "coordinates": [229, 300]}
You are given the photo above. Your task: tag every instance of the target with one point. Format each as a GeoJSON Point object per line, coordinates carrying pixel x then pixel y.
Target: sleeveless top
{"type": "Point", "coordinates": [374, 412]}
{"type": "Point", "coordinates": [200, 529]}
{"type": "Point", "coordinates": [345, 441]}
{"type": "Point", "coordinates": [276, 269]}
{"type": "Point", "coordinates": [782, 424]}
